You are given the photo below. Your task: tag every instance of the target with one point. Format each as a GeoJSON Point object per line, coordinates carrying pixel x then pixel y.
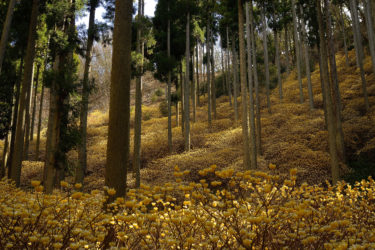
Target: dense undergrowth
{"type": "Point", "coordinates": [229, 210]}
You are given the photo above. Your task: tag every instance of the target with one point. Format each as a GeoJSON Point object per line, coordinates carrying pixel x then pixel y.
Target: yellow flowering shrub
{"type": "Point", "coordinates": [239, 210]}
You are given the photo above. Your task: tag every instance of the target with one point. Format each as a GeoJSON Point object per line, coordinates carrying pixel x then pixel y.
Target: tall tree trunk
{"type": "Point", "coordinates": [370, 32]}
{"type": "Point", "coordinates": [213, 81]}
{"type": "Point", "coordinates": [228, 69]}
{"type": "Point", "coordinates": [256, 83]}
{"type": "Point", "coordinates": [287, 50]}
{"type": "Point", "coordinates": [15, 170]}
{"type": "Point", "coordinates": [187, 85]}
{"type": "Point", "coordinates": [335, 171]}
{"type": "Point", "coordinates": [342, 22]}
{"type": "Point", "coordinates": [119, 111]}
{"type": "Point", "coordinates": [235, 79]}
{"type": "Point", "coordinates": [82, 147]}
{"type": "Point", "coordinates": [197, 69]}
{"type": "Point", "coordinates": [34, 102]}
{"type": "Point", "coordinates": [209, 74]}
{"type": "Point", "coordinates": [15, 116]}
{"type": "Point", "coordinates": [193, 86]}
{"type": "Point", "coordinates": [266, 60]}
{"type": "Point", "coordinates": [170, 145]}
{"type": "Point", "coordinates": [253, 151]}
{"type": "Point", "coordinates": [298, 57]}
{"type": "Point", "coordinates": [28, 119]}
{"type": "Point", "coordinates": [182, 79]}
{"type": "Point", "coordinates": [138, 104]}
{"type": "Point", "coordinates": [359, 49]}
{"type": "Point", "coordinates": [337, 105]}
{"type": "Point", "coordinates": [6, 30]}
{"type": "Point", "coordinates": [37, 146]}
{"type": "Point", "coordinates": [247, 161]}
{"type": "Point", "coordinates": [307, 62]}
{"type": "Point", "coordinates": [277, 46]}
{"type": "Point", "coordinates": [4, 157]}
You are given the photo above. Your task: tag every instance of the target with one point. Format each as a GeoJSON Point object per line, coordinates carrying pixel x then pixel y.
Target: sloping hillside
{"type": "Point", "coordinates": [292, 136]}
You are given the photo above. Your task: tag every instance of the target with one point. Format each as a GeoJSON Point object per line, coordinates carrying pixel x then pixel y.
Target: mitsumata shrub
{"type": "Point", "coordinates": [242, 210]}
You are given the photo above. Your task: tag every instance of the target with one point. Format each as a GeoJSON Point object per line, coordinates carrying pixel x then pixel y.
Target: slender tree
{"type": "Point", "coordinates": [370, 31]}
{"type": "Point", "coordinates": [16, 161]}
{"type": "Point", "coordinates": [335, 171]}
{"type": "Point", "coordinates": [235, 79]}
{"type": "Point", "coordinates": [119, 110]}
{"type": "Point", "coordinates": [170, 145]}
{"type": "Point", "coordinates": [228, 68]}
{"type": "Point", "coordinates": [359, 49]}
{"type": "Point", "coordinates": [253, 153]}
{"type": "Point", "coordinates": [82, 148]}
{"type": "Point", "coordinates": [266, 59]}
{"type": "Point", "coordinates": [208, 66]}
{"type": "Point", "coordinates": [36, 84]}
{"type": "Point", "coordinates": [187, 86]}
{"type": "Point", "coordinates": [6, 30]}
{"type": "Point", "coordinates": [297, 50]}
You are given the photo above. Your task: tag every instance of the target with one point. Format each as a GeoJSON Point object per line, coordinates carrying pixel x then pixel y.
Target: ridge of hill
{"type": "Point", "coordinates": [292, 135]}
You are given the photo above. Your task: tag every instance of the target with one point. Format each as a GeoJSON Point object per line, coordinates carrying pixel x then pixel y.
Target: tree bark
{"type": "Point", "coordinates": [247, 161]}
{"type": "Point", "coordinates": [359, 49]}
{"type": "Point", "coordinates": [170, 145]}
{"type": "Point", "coordinates": [6, 30]}
{"type": "Point", "coordinates": [27, 118]}
{"type": "Point", "coordinates": [82, 148]}
{"type": "Point", "coordinates": [342, 24]}
{"type": "Point", "coordinates": [39, 122]}
{"type": "Point", "coordinates": [266, 60]}
{"type": "Point", "coordinates": [256, 83]}
{"type": "Point", "coordinates": [235, 79]}
{"type": "Point", "coordinates": [277, 46]}
{"type": "Point", "coordinates": [307, 63]}
{"type": "Point", "coordinates": [370, 32]}
{"type": "Point", "coordinates": [335, 171]}
{"type": "Point", "coordinates": [197, 69]}
{"type": "Point", "coordinates": [187, 86]}
{"type": "Point", "coordinates": [298, 57]}
{"type": "Point", "coordinates": [138, 103]}
{"type": "Point", "coordinates": [119, 111]}
{"type": "Point", "coordinates": [15, 116]}
{"type": "Point", "coordinates": [209, 74]}
{"type": "Point", "coordinates": [15, 171]}
{"type": "Point", "coordinates": [287, 50]}
{"type": "Point", "coordinates": [213, 81]}
{"type": "Point", "coordinates": [34, 102]}
{"type": "Point", "coordinates": [193, 86]}
{"type": "Point", "coordinates": [228, 69]}
{"type": "Point", "coordinates": [337, 105]}
{"type": "Point", "coordinates": [253, 151]}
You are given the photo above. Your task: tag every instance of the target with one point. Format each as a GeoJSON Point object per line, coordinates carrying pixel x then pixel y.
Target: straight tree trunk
{"type": "Point", "coordinates": [298, 57]}
{"type": "Point", "coordinates": [370, 32]}
{"type": "Point", "coordinates": [342, 22]}
{"type": "Point", "coordinates": [228, 69]}
{"type": "Point", "coordinates": [223, 82]}
{"type": "Point", "coordinates": [119, 111]}
{"type": "Point", "coordinates": [4, 157]}
{"type": "Point", "coordinates": [15, 116]}
{"type": "Point", "coordinates": [359, 49]}
{"type": "Point", "coordinates": [256, 83]}
{"type": "Point", "coordinates": [37, 146]}
{"type": "Point", "coordinates": [307, 63]}
{"type": "Point", "coordinates": [335, 171]}
{"type": "Point", "coordinates": [287, 50]}
{"type": "Point", "coordinates": [170, 145]}
{"type": "Point", "coordinates": [197, 69]}
{"type": "Point", "coordinates": [193, 87]}
{"type": "Point", "coordinates": [213, 81]}
{"type": "Point", "coordinates": [266, 60]}
{"type": "Point", "coordinates": [28, 119]}
{"type": "Point", "coordinates": [187, 86]}
{"type": "Point", "coordinates": [277, 46]}
{"type": "Point", "coordinates": [15, 170]}
{"type": "Point", "coordinates": [182, 79]}
{"type": "Point", "coordinates": [6, 30]}
{"type": "Point", "coordinates": [335, 90]}
{"type": "Point", "coordinates": [138, 105]}
{"type": "Point", "coordinates": [82, 148]}
{"type": "Point", "coordinates": [253, 151]}
{"type": "Point", "coordinates": [209, 74]}
{"type": "Point", "coordinates": [235, 79]}
{"type": "Point", "coordinates": [34, 102]}
{"type": "Point", "coordinates": [247, 161]}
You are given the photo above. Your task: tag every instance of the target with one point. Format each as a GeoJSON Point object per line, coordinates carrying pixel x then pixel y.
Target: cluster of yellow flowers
{"type": "Point", "coordinates": [242, 210]}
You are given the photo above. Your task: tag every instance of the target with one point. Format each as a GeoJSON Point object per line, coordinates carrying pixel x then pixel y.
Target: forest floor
{"type": "Point", "coordinates": [292, 135]}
